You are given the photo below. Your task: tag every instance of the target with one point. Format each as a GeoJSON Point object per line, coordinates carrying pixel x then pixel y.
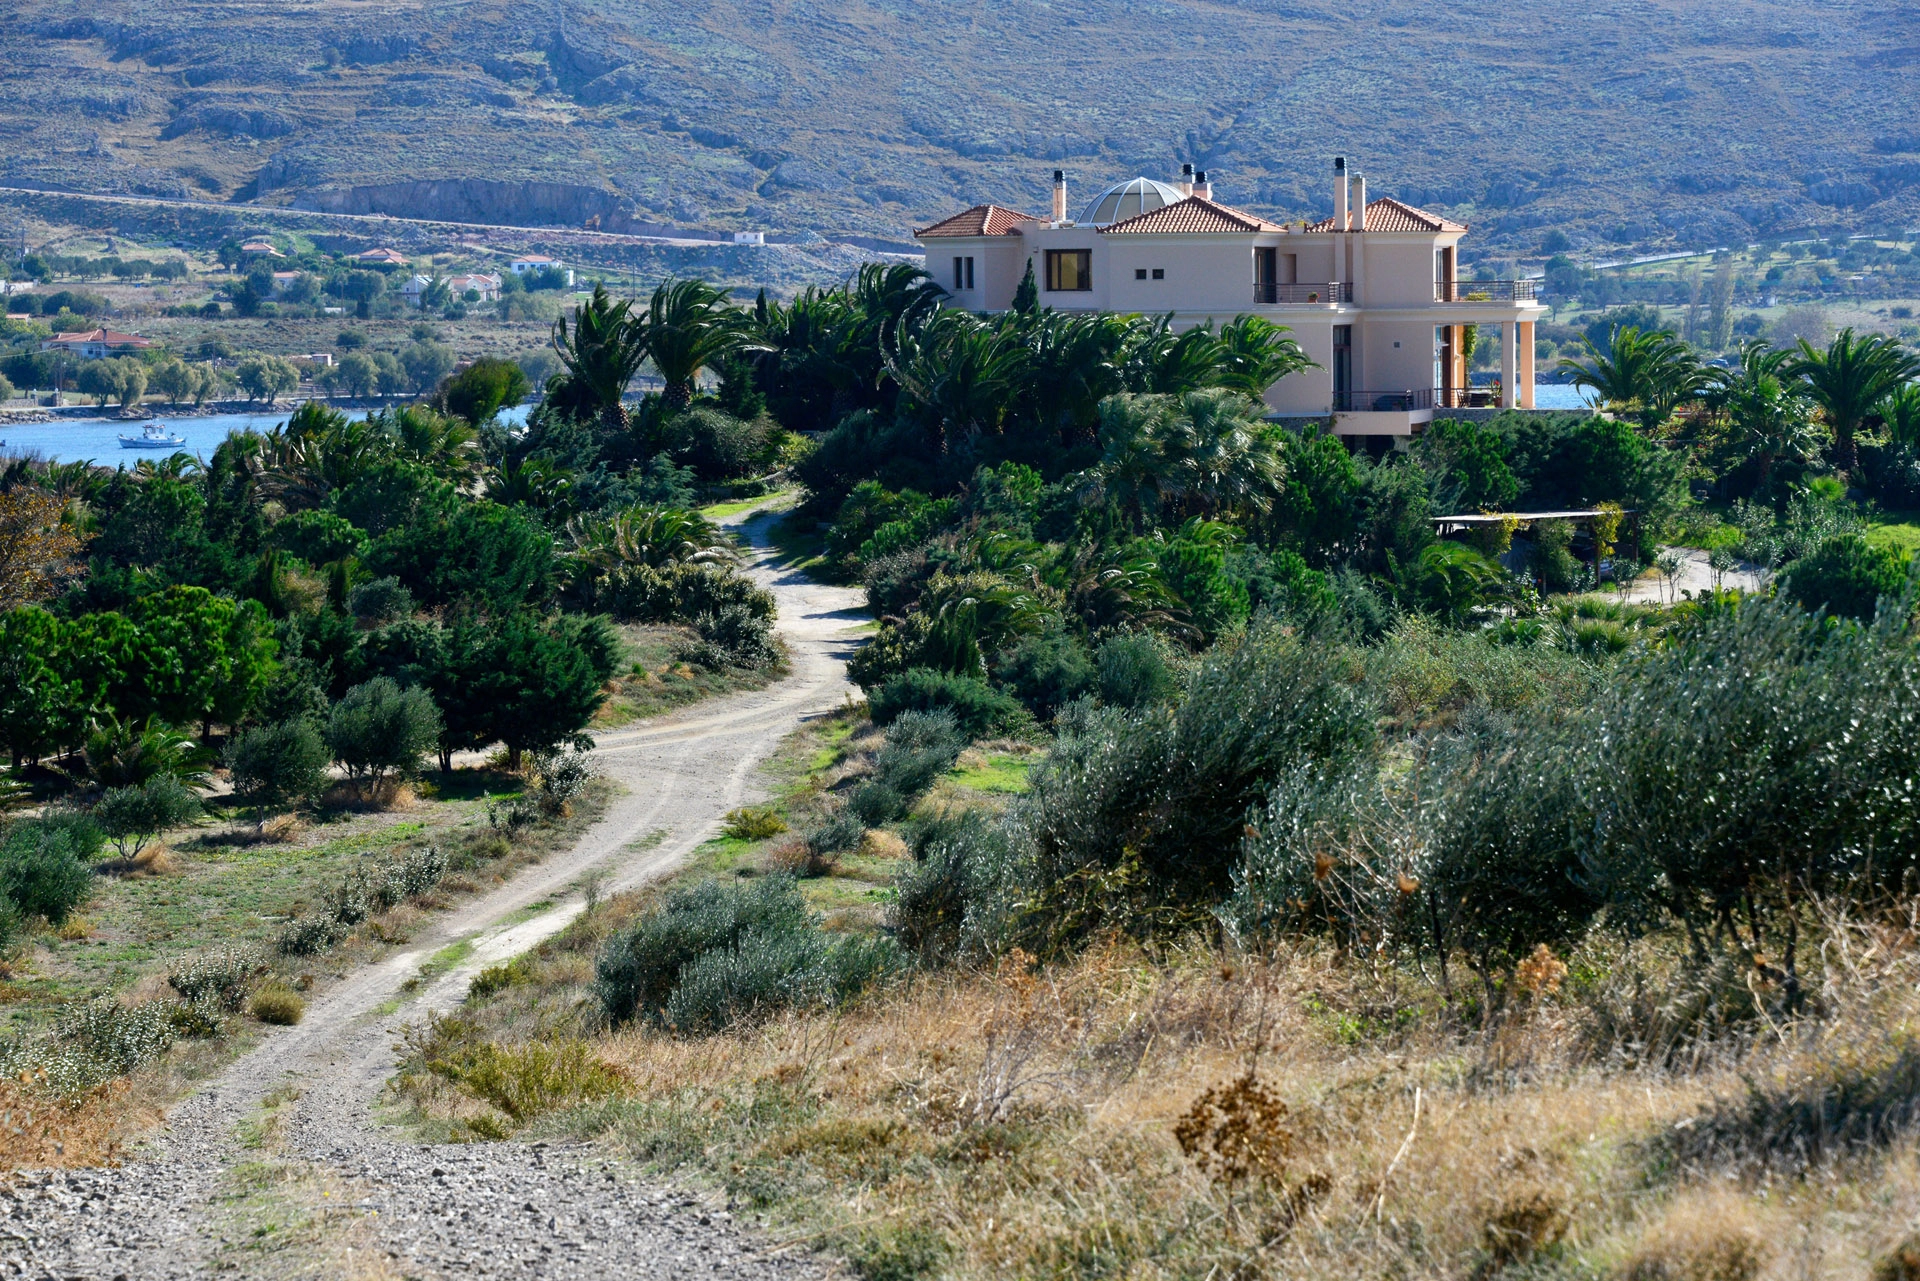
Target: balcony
{"type": "Point", "coordinates": [1482, 397]}
{"type": "Point", "coordinates": [1268, 294]}
{"type": "Point", "coordinates": [1403, 401]}
{"type": "Point", "coordinates": [1483, 290]}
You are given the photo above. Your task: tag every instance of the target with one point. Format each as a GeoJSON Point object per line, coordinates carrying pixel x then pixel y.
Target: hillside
{"type": "Point", "coordinates": [1624, 122]}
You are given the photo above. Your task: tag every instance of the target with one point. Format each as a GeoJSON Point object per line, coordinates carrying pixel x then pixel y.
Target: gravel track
{"type": "Point", "coordinates": [401, 1209]}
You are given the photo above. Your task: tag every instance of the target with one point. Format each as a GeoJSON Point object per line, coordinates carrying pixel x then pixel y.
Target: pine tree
{"type": "Point", "coordinates": [1026, 299]}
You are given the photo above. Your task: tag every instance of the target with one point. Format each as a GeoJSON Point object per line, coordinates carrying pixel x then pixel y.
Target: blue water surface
{"type": "Point", "coordinates": [97, 440]}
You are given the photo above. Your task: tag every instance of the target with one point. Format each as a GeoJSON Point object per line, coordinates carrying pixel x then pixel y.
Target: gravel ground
{"type": "Point", "coordinates": [278, 1168]}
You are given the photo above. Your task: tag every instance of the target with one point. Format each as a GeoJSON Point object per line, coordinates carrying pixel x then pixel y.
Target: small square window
{"type": "Point", "coordinates": [1159, 273]}
{"type": "Point", "coordinates": [1396, 346]}
{"type": "Point", "coordinates": [1139, 273]}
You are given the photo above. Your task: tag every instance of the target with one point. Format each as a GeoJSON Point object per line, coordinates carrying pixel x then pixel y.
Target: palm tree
{"type": "Point", "coordinates": [1900, 411]}
{"type": "Point", "coordinates": [1256, 353]}
{"type": "Point", "coordinates": [689, 325]}
{"type": "Point", "coordinates": [1649, 373]}
{"type": "Point", "coordinates": [651, 536]}
{"type": "Point", "coordinates": [1768, 421]}
{"type": "Point", "coordinates": [1849, 380]}
{"type": "Point", "coordinates": [1198, 454]}
{"type": "Point", "coordinates": [598, 359]}
{"type": "Point", "coordinates": [958, 374]}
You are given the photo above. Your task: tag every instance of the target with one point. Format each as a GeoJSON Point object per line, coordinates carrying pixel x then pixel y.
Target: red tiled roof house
{"type": "Point", "coordinates": [1369, 293]}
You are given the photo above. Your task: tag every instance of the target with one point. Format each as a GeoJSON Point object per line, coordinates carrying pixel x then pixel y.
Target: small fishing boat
{"type": "Point", "coordinates": [152, 436]}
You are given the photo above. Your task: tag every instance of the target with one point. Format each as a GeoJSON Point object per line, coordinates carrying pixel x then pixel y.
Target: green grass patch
{"type": "Point", "coordinates": [656, 681]}
{"type": "Point", "coordinates": [1903, 535]}
{"type": "Point", "coordinates": [1000, 772]}
{"type": "Point", "coordinates": [720, 511]}
{"type": "Point", "coordinates": [446, 958]}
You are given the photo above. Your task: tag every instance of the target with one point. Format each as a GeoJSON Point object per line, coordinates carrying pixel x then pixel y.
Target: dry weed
{"type": "Point", "coordinates": [879, 843]}
{"type": "Point", "coordinates": [1710, 1236]}
{"type": "Point", "coordinates": [39, 1131]}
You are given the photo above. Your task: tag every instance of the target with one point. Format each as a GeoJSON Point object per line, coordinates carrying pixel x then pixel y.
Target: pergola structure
{"type": "Point", "coordinates": [1444, 525]}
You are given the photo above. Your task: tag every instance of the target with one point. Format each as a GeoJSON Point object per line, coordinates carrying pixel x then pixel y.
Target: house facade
{"type": "Point", "coordinates": [96, 344]}
{"type": "Point", "coordinates": [1371, 294]}
{"type": "Point", "coordinates": [482, 283]}
{"type": "Point", "coordinates": [540, 262]}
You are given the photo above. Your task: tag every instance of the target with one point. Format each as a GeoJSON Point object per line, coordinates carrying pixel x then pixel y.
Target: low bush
{"type": "Point", "coordinates": [947, 907]}
{"type": "Point", "coordinates": [974, 706]}
{"type": "Point", "coordinates": [366, 890]}
{"type": "Point", "coordinates": [310, 935]}
{"type": "Point", "coordinates": [1045, 672]}
{"type": "Point", "coordinates": [1132, 672]}
{"type": "Point", "coordinates": [732, 636]}
{"type": "Point", "coordinates": [522, 1080]}
{"type": "Point", "coordinates": [835, 836]}
{"type": "Point", "coordinates": [278, 1005]}
{"type": "Point", "coordinates": [714, 954]}
{"type": "Point", "coordinates": [45, 868]}
{"type": "Point", "coordinates": [677, 593]}
{"type": "Point", "coordinates": [1845, 576]}
{"type": "Point", "coordinates": [754, 823]}
{"type": "Point", "coordinates": [219, 979]}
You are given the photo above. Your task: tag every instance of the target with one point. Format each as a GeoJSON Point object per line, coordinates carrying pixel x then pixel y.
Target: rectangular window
{"type": "Point", "coordinates": [969, 273]}
{"type": "Point", "coordinates": [1069, 270]}
{"type": "Point", "coordinates": [1139, 273]}
{"type": "Point", "coordinates": [1159, 273]}
{"type": "Point", "coordinates": [959, 273]}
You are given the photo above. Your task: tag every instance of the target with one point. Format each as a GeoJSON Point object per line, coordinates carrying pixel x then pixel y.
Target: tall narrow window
{"type": "Point", "coordinates": [1343, 367]}
{"type": "Point", "coordinates": [959, 273]}
{"type": "Point", "coordinates": [969, 273]}
{"type": "Point", "coordinates": [1069, 270]}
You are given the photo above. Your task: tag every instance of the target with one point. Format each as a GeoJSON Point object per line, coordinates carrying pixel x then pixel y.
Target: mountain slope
{"type": "Point", "coordinates": [1627, 121]}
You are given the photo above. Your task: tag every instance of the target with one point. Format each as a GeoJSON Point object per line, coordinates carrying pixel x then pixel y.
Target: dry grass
{"type": "Point", "coordinates": [1191, 1114]}
{"type": "Point", "coordinates": [37, 1132]}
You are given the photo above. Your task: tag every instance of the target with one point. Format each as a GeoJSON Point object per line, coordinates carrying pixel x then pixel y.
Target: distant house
{"type": "Point", "coordinates": [381, 258]}
{"type": "Point", "coordinates": [96, 344]}
{"type": "Point", "coordinates": [749, 237]}
{"type": "Point", "coordinates": [487, 286]}
{"type": "Point", "coordinates": [540, 262]}
{"type": "Point", "coordinates": [415, 289]}
{"type": "Point", "coordinates": [260, 249]}
{"type": "Point", "coordinates": [283, 280]}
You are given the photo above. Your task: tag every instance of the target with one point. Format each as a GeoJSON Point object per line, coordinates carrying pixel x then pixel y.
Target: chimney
{"type": "Point", "coordinates": [1359, 202]}
{"type": "Point", "coordinates": [1186, 180]}
{"type": "Point", "coordinates": [1201, 187]}
{"type": "Point", "coordinates": [1340, 193]}
{"type": "Point", "coordinates": [1059, 195]}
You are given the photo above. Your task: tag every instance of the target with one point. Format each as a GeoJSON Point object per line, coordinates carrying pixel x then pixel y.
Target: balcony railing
{"type": "Point", "coordinates": [1483, 290]}
{"type": "Point", "coordinates": [1268, 294]}
{"type": "Point", "coordinates": [1467, 398]}
{"type": "Point", "coordinates": [1382, 402]}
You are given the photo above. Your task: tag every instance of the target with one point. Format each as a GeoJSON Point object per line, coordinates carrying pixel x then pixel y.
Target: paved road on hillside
{"type": "Point", "coordinates": [495, 1209]}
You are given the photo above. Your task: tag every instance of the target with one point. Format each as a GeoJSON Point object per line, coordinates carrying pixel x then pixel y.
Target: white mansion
{"type": "Point", "coordinates": [1371, 293]}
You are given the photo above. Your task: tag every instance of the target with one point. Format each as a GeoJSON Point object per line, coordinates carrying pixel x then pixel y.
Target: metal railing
{"type": "Point", "coordinates": [1482, 397]}
{"type": "Point", "coordinates": [1269, 294]}
{"type": "Point", "coordinates": [1483, 290]}
{"type": "Point", "coordinates": [1382, 402]}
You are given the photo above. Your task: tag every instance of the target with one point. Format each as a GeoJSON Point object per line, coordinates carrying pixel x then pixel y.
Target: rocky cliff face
{"type": "Point", "coordinates": [519, 204]}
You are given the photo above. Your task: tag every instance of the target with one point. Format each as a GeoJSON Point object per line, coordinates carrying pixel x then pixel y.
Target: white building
{"type": "Point", "coordinates": [415, 289]}
{"type": "Point", "coordinates": [1372, 294]}
{"type": "Point", "coordinates": [749, 237]}
{"type": "Point", "coordinates": [540, 262]}
{"type": "Point", "coordinates": [485, 284]}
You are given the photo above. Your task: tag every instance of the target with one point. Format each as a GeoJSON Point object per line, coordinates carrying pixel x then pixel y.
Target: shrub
{"type": "Point", "coordinates": [919, 748]}
{"type": "Point", "coordinates": [276, 765]}
{"type": "Point", "coordinates": [278, 1005]}
{"type": "Point", "coordinates": [1133, 672]}
{"type": "Point", "coordinates": [754, 823]}
{"type": "Point", "coordinates": [560, 779]}
{"type": "Point", "coordinates": [733, 636]}
{"type": "Point", "coordinates": [976, 707]}
{"type": "Point", "coordinates": [714, 955]}
{"type": "Point", "coordinates": [379, 729]}
{"type": "Point", "coordinates": [1551, 559]}
{"type": "Point", "coordinates": [310, 935]}
{"type": "Point", "coordinates": [677, 593]}
{"type": "Point", "coordinates": [1046, 672]}
{"type": "Point", "coordinates": [1845, 576]}
{"type": "Point", "coordinates": [526, 1080]}
{"type": "Point", "coordinates": [219, 979]}
{"type": "Point", "coordinates": [946, 907]}
{"type": "Point", "coordinates": [835, 836]}
{"type": "Point", "coordinates": [44, 869]}
{"type": "Point", "coordinates": [132, 816]}
{"type": "Point", "coordinates": [637, 970]}
{"type": "Point", "coordinates": [767, 970]}
{"type": "Point", "coordinates": [876, 804]}
{"type": "Point", "coordinates": [382, 600]}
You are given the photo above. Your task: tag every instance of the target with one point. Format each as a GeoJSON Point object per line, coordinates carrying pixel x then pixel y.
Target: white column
{"type": "Point", "coordinates": [1509, 370]}
{"type": "Point", "coordinates": [1526, 364]}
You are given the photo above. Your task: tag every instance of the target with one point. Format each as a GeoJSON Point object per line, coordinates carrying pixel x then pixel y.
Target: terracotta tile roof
{"type": "Point", "coordinates": [1388, 214]}
{"type": "Point", "coordinates": [105, 337]}
{"type": "Point", "coordinates": [981, 220]}
{"type": "Point", "coordinates": [1196, 215]}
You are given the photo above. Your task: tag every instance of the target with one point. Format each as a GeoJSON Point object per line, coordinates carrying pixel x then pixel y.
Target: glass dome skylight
{"type": "Point", "coordinates": [1129, 199]}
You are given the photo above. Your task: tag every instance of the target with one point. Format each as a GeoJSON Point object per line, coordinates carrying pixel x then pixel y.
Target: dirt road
{"type": "Point", "coordinates": [196, 1203]}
